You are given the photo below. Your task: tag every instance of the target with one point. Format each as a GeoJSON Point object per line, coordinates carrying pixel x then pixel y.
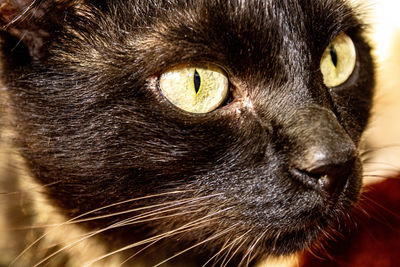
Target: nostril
{"type": "Point", "coordinates": [331, 177]}
{"type": "Point", "coordinates": [330, 184]}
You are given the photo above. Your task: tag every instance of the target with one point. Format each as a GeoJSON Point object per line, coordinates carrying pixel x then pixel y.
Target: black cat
{"type": "Point", "coordinates": [225, 130]}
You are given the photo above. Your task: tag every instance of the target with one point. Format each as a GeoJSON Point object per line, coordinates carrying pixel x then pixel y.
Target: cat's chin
{"type": "Point", "coordinates": [292, 242]}
{"type": "Point", "coordinates": [289, 242]}
{"type": "Point", "coordinates": [311, 224]}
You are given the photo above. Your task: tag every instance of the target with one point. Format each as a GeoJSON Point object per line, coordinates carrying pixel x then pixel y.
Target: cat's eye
{"type": "Point", "coordinates": [338, 60]}
{"type": "Point", "coordinates": [195, 88]}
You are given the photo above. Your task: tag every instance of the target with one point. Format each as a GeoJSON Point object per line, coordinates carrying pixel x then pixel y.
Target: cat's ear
{"type": "Point", "coordinates": [31, 24]}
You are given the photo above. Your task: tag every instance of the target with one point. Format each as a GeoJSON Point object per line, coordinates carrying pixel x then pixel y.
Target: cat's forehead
{"type": "Point", "coordinates": [257, 15]}
{"type": "Point", "coordinates": [255, 31]}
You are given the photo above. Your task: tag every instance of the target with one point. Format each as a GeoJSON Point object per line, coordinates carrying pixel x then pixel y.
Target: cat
{"type": "Point", "coordinates": [188, 132]}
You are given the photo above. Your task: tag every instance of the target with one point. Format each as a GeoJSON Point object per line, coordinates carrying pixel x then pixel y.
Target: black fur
{"type": "Point", "coordinates": [91, 120]}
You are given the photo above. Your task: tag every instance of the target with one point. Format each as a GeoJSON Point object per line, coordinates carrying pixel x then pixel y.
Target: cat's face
{"type": "Point", "coordinates": [271, 165]}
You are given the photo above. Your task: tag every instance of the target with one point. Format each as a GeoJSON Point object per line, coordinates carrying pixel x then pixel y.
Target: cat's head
{"type": "Point", "coordinates": [214, 122]}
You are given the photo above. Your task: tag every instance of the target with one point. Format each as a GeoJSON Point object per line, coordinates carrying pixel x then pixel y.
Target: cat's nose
{"type": "Point", "coordinates": [328, 167]}
{"type": "Point", "coordinates": [323, 154]}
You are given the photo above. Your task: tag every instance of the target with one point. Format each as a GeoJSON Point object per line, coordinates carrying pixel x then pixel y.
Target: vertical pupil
{"type": "Point", "coordinates": [333, 53]}
{"type": "Point", "coordinates": [196, 81]}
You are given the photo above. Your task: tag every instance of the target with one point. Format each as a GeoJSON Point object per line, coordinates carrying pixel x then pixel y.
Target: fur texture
{"type": "Point", "coordinates": [91, 124]}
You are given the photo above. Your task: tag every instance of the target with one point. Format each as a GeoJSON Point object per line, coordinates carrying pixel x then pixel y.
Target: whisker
{"type": "Point", "coordinates": [372, 176]}
{"type": "Point", "coordinates": [88, 213]}
{"type": "Point", "coordinates": [360, 208]}
{"type": "Point", "coordinates": [225, 262]}
{"type": "Point", "coordinates": [130, 200]}
{"type": "Point", "coordinates": [27, 9]}
{"type": "Point", "coordinates": [153, 239]}
{"type": "Point", "coordinates": [28, 189]}
{"type": "Point", "coordinates": [151, 244]}
{"type": "Point", "coordinates": [381, 207]}
{"type": "Point", "coordinates": [251, 248]}
{"type": "Point", "coordinates": [115, 225]}
{"type": "Point", "coordinates": [225, 256]}
{"type": "Point", "coordinates": [142, 217]}
{"type": "Point", "coordinates": [198, 244]}
{"type": "Point", "coordinates": [274, 245]}
{"type": "Point", "coordinates": [138, 252]}
{"type": "Point", "coordinates": [166, 204]}
{"type": "Point", "coordinates": [314, 254]}
{"type": "Point", "coordinates": [321, 248]}
{"type": "Point", "coordinates": [164, 210]}
{"type": "Point", "coordinates": [380, 167]}
{"type": "Point", "coordinates": [227, 244]}
{"type": "Point", "coordinates": [184, 227]}
{"type": "Point", "coordinates": [216, 257]}
{"type": "Point", "coordinates": [380, 163]}
{"type": "Point", "coordinates": [374, 149]}
{"type": "Point", "coordinates": [85, 236]}
{"type": "Point", "coordinates": [93, 233]}
{"type": "Point", "coordinates": [136, 221]}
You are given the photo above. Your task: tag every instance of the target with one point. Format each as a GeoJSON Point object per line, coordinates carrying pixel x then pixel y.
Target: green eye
{"type": "Point", "coordinates": [195, 89]}
{"type": "Point", "coordinates": [338, 61]}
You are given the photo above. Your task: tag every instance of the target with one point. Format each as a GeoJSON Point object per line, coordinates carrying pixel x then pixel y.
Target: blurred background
{"type": "Point", "coordinates": [383, 135]}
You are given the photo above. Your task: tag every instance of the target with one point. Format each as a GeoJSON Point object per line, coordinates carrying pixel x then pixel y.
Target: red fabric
{"type": "Point", "coordinates": [376, 239]}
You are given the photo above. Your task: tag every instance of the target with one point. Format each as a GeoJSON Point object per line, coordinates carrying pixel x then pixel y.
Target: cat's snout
{"type": "Point", "coordinates": [329, 171]}
{"type": "Point", "coordinates": [324, 154]}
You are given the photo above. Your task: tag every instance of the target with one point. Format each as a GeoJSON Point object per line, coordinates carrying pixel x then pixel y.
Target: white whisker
{"type": "Point", "coordinates": [34, 188]}
{"type": "Point", "coordinates": [88, 213]}
{"type": "Point", "coordinates": [184, 228]}
{"type": "Point", "coordinates": [198, 244]}
{"type": "Point", "coordinates": [21, 15]}
{"type": "Point", "coordinates": [226, 244]}
{"type": "Point", "coordinates": [126, 222]}
{"type": "Point", "coordinates": [226, 260]}
{"type": "Point", "coordinates": [167, 205]}
{"type": "Point", "coordinates": [236, 251]}
{"type": "Point", "coordinates": [89, 235]}
{"type": "Point", "coordinates": [251, 248]}
{"type": "Point", "coordinates": [138, 252]}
